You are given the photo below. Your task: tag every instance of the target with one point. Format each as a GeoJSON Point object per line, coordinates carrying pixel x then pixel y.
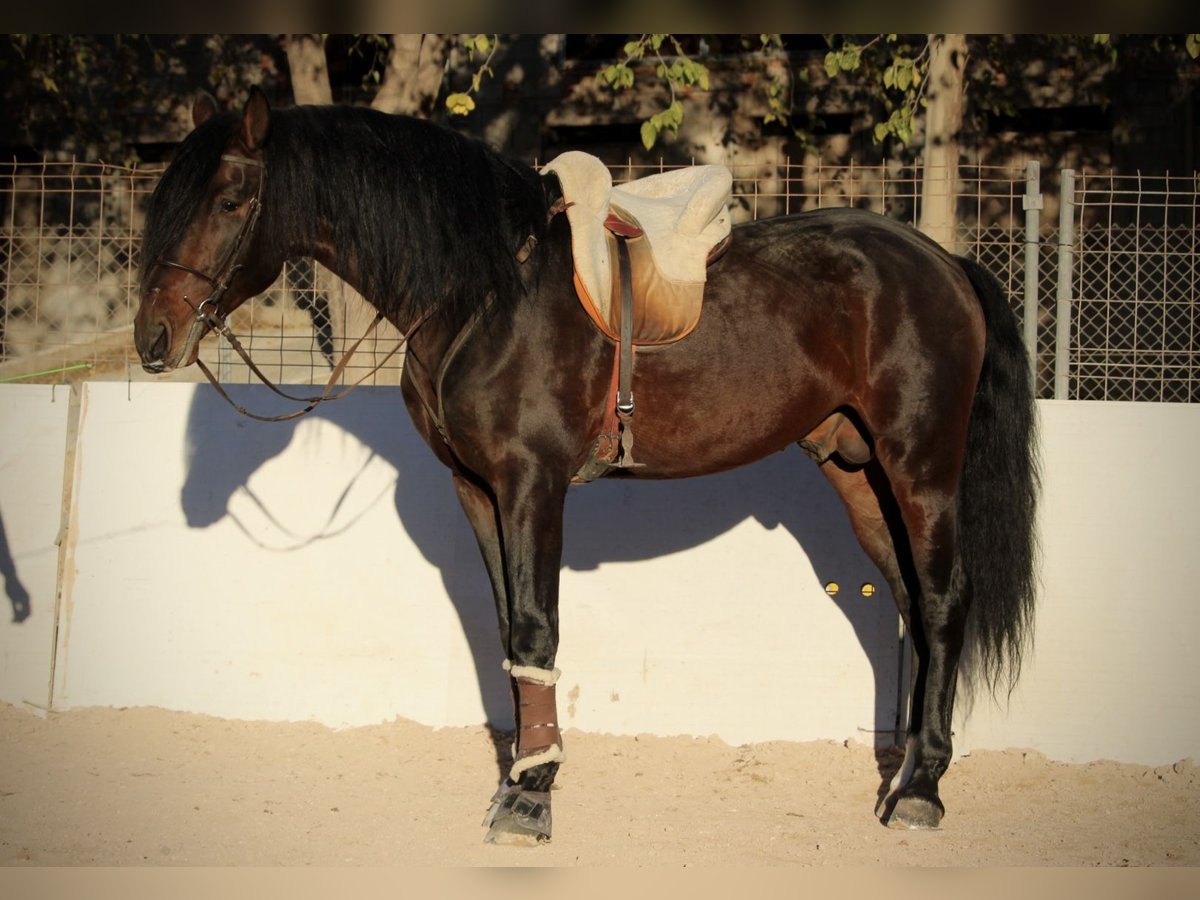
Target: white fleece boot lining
{"type": "Point", "coordinates": [532, 673]}
{"type": "Point", "coordinates": [553, 753]}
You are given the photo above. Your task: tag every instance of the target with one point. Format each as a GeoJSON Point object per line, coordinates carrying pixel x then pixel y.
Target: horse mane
{"type": "Point", "coordinates": [431, 219]}
{"type": "Point", "coordinates": [179, 191]}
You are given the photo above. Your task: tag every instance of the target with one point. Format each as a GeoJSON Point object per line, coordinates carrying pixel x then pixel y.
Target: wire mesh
{"type": "Point", "coordinates": [1134, 316]}
{"type": "Point", "coordinates": [69, 235]}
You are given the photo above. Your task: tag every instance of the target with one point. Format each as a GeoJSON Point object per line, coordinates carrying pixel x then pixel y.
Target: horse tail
{"type": "Point", "coordinates": [998, 495]}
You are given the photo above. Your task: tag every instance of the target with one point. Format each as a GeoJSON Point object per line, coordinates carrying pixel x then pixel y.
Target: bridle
{"type": "Point", "coordinates": [208, 312]}
{"type": "Point", "coordinates": [231, 260]}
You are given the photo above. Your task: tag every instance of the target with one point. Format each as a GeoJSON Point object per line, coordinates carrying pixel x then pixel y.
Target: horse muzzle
{"type": "Point", "coordinates": [164, 345]}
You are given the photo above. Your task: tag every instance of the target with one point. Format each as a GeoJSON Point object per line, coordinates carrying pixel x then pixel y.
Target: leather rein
{"type": "Point", "coordinates": [208, 312]}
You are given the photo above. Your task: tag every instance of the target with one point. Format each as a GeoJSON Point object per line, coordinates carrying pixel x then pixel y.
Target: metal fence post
{"type": "Point", "coordinates": [1032, 204]}
{"type": "Point", "coordinates": [1066, 269]}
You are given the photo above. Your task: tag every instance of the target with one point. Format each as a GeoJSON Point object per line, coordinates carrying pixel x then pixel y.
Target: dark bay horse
{"type": "Point", "coordinates": [897, 367]}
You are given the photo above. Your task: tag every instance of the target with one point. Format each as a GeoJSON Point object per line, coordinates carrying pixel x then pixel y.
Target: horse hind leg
{"type": "Point", "coordinates": [876, 523]}
{"type": "Point", "coordinates": [939, 600]}
{"type": "Point", "coordinates": [910, 535]}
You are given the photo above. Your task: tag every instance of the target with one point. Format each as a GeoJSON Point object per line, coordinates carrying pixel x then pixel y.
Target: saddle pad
{"type": "Point", "coordinates": [664, 310]}
{"type": "Point", "coordinates": [682, 214]}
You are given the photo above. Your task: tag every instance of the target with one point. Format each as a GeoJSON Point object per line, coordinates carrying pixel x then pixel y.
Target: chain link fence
{"type": "Point", "coordinates": [1121, 326]}
{"type": "Point", "coordinates": [1134, 300]}
{"type": "Point", "coordinates": [68, 287]}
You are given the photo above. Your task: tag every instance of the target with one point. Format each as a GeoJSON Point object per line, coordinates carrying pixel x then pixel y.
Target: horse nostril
{"type": "Point", "coordinates": [155, 347]}
{"type": "Point", "coordinates": [161, 343]}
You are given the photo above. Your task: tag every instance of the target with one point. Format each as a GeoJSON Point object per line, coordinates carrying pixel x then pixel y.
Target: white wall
{"type": "Point", "coordinates": [1116, 668]}
{"type": "Point", "coordinates": [31, 497]}
{"type": "Point", "coordinates": [324, 571]}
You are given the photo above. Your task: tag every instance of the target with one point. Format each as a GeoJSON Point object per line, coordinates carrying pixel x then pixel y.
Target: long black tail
{"type": "Point", "coordinates": [998, 497]}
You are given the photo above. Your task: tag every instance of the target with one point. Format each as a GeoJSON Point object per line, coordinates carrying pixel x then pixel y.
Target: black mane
{"type": "Point", "coordinates": [432, 219]}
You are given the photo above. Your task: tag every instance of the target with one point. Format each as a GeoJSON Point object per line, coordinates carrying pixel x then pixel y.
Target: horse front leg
{"type": "Point", "coordinates": [530, 516]}
{"type": "Point", "coordinates": [480, 509]}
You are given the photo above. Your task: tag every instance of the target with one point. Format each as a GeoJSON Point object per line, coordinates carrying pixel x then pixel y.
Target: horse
{"type": "Point", "coordinates": [896, 366]}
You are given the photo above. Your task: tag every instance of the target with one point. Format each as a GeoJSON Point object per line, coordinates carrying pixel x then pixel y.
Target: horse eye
{"type": "Point", "coordinates": [229, 206]}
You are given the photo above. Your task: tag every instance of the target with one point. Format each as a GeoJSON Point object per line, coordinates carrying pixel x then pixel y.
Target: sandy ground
{"type": "Point", "coordinates": [150, 787]}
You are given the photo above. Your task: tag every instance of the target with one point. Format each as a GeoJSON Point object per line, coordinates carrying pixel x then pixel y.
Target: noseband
{"type": "Point", "coordinates": [208, 310]}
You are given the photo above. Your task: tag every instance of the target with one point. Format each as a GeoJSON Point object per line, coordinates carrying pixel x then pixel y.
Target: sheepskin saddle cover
{"type": "Point", "coordinates": [675, 223]}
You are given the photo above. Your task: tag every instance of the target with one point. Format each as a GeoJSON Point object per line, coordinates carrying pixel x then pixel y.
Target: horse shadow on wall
{"type": "Point", "coordinates": [18, 594]}
{"type": "Point", "coordinates": [225, 450]}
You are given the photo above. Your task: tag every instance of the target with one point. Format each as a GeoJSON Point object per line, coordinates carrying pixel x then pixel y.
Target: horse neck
{"type": "Point", "coordinates": [348, 252]}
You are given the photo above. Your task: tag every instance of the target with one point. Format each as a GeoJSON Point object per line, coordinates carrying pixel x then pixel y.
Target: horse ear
{"type": "Point", "coordinates": [203, 109]}
{"type": "Point", "coordinates": [256, 120]}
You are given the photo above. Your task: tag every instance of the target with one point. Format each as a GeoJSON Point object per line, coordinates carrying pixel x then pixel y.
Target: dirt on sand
{"type": "Point", "coordinates": [151, 787]}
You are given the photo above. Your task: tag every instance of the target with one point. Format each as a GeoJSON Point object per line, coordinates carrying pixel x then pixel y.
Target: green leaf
{"type": "Point", "coordinates": [1192, 43]}
{"type": "Point", "coordinates": [649, 134]}
{"type": "Point", "coordinates": [832, 63]}
{"type": "Point", "coordinates": [634, 49]}
{"type": "Point", "coordinates": [850, 57]}
{"type": "Point", "coordinates": [904, 76]}
{"type": "Point", "coordinates": [889, 76]}
{"type": "Point", "coordinates": [881, 131]}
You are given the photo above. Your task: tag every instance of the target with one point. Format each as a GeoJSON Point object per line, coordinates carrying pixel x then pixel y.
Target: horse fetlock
{"type": "Point", "coordinates": [912, 801]}
{"type": "Point", "coordinates": [540, 777]}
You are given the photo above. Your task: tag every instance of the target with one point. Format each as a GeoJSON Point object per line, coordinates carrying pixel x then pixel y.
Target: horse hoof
{"type": "Point", "coordinates": [510, 833]}
{"type": "Point", "coordinates": [518, 818]}
{"type": "Point", "coordinates": [916, 814]}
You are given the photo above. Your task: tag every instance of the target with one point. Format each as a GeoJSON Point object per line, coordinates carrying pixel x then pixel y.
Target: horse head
{"type": "Point", "coordinates": [201, 247]}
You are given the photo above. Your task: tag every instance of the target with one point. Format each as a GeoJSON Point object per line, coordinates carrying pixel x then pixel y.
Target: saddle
{"type": "Point", "coordinates": [640, 251]}
{"type": "Point", "coordinates": [674, 225]}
